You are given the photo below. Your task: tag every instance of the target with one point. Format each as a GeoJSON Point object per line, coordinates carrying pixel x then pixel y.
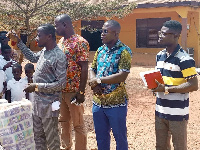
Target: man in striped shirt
{"type": "Point", "coordinates": [49, 79]}
{"type": "Point", "coordinates": [180, 78]}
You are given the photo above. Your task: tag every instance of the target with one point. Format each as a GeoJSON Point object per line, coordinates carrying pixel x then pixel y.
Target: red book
{"type": "Point", "coordinates": [149, 78]}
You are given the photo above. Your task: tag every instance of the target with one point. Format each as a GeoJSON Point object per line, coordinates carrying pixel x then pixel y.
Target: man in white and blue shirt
{"type": "Point", "coordinates": [180, 78]}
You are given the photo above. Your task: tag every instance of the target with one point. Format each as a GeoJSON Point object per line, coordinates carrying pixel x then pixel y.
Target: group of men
{"type": "Point", "coordinates": [62, 72]}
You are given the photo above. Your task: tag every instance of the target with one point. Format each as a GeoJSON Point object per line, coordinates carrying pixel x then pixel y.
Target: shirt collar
{"type": "Point", "coordinates": [14, 81]}
{"type": "Point", "coordinates": [71, 37]}
{"type": "Point", "coordinates": [117, 44]}
{"type": "Point", "coordinates": [175, 52]}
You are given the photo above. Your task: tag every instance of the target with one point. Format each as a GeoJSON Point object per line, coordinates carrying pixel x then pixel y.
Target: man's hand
{"type": "Point", "coordinates": [9, 64]}
{"type": "Point", "coordinates": [1, 95]}
{"type": "Point", "coordinates": [80, 98]}
{"type": "Point", "coordinates": [13, 35]}
{"type": "Point", "coordinates": [160, 87]}
{"type": "Point", "coordinates": [31, 88]}
{"type": "Point", "coordinates": [93, 82]}
{"type": "Point", "coordinates": [97, 90]}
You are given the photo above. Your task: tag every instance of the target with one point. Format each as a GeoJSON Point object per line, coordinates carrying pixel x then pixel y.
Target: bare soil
{"type": "Point", "coordinates": [141, 114]}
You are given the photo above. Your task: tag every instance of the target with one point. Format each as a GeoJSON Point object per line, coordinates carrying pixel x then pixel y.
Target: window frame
{"type": "Point", "coordinates": [143, 27]}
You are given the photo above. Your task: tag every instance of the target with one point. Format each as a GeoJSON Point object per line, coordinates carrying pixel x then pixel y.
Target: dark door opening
{"type": "Point", "coordinates": [92, 33]}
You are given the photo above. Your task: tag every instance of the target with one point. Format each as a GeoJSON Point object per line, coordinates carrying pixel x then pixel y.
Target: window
{"type": "Point", "coordinates": [147, 32]}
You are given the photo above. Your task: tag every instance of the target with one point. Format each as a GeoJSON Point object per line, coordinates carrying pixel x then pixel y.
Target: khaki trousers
{"type": "Point", "coordinates": [70, 113]}
{"type": "Point", "coordinates": [178, 131]}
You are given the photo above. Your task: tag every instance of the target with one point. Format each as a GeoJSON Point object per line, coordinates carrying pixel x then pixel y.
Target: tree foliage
{"type": "Point", "coordinates": [27, 15]}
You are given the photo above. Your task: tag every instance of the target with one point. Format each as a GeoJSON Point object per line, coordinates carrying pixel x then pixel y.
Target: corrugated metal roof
{"type": "Point", "coordinates": [165, 3]}
{"type": "Point", "coordinates": [153, 1]}
{"type": "Point", "coordinates": [160, 1]}
{"type": "Point", "coordinates": [142, 1]}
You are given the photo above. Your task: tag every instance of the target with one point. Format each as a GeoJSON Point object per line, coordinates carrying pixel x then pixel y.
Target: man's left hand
{"type": "Point", "coordinates": [93, 82]}
{"type": "Point", "coordinates": [80, 98]}
{"type": "Point", "coordinates": [160, 87]}
{"type": "Point", "coordinates": [31, 88]}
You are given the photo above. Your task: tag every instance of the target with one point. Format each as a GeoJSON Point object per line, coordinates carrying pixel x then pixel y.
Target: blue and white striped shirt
{"type": "Point", "coordinates": [175, 69]}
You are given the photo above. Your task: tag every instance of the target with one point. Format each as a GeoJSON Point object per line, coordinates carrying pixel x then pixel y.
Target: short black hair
{"type": "Point", "coordinates": [64, 18]}
{"type": "Point", "coordinates": [4, 47]}
{"type": "Point", "coordinates": [17, 65]}
{"type": "Point", "coordinates": [173, 25]}
{"type": "Point", "coordinates": [29, 66]}
{"type": "Point", "coordinates": [48, 29]}
{"type": "Point", "coordinates": [114, 24]}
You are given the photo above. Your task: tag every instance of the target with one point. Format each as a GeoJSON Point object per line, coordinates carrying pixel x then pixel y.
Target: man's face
{"type": "Point", "coordinates": [166, 36]}
{"type": "Point", "coordinates": [7, 54]}
{"type": "Point", "coordinates": [16, 72]}
{"type": "Point", "coordinates": [108, 34]}
{"type": "Point", "coordinates": [42, 39]}
{"type": "Point", "coordinates": [4, 39]}
{"type": "Point", "coordinates": [60, 27]}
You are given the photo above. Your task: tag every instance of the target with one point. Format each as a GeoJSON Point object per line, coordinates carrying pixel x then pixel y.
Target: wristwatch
{"type": "Point", "coordinates": [166, 90]}
{"type": "Point", "coordinates": [36, 87]}
{"type": "Point", "coordinates": [98, 80]}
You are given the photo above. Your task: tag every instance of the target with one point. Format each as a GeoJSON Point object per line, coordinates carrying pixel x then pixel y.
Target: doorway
{"type": "Point", "coordinates": [92, 33]}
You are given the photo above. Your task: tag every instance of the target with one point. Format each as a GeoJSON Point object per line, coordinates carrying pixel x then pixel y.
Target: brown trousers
{"type": "Point", "coordinates": [71, 113]}
{"type": "Point", "coordinates": [178, 130]}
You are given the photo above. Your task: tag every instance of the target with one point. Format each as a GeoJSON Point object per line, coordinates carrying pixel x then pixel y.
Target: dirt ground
{"type": "Point", "coordinates": [141, 113]}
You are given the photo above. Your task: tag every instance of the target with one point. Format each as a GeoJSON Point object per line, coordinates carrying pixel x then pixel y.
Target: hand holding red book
{"type": "Point", "coordinates": [149, 78]}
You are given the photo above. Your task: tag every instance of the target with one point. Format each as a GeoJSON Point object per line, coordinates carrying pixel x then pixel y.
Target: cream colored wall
{"type": "Point", "coordinates": [193, 37]}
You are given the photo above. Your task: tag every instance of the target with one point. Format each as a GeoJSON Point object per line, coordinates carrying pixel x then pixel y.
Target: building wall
{"type": "Point", "coordinates": [142, 56]}
{"type": "Point", "coordinates": [146, 56]}
{"type": "Point", "coordinates": [193, 35]}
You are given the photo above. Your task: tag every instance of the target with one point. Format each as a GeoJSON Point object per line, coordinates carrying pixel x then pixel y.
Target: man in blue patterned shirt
{"type": "Point", "coordinates": [110, 68]}
{"type": "Point", "coordinates": [49, 79]}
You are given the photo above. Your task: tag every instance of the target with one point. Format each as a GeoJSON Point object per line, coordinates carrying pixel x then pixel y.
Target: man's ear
{"type": "Point", "coordinates": [117, 34]}
{"type": "Point", "coordinates": [177, 35]}
{"type": "Point", "coordinates": [49, 36]}
{"type": "Point", "coordinates": [64, 24]}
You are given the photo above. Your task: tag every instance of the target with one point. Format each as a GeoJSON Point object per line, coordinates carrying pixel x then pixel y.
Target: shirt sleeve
{"type": "Point", "coordinates": [5, 77]}
{"type": "Point", "coordinates": [31, 56]}
{"type": "Point", "coordinates": [83, 51]}
{"type": "Point", "coordinates": [187, 65]}
{"type": "Point", "coordinates": [125, 61]}
{"type": "Point", "coordinates": [9, 85]}
{"type": "Point", "coordinates": [94, 63]}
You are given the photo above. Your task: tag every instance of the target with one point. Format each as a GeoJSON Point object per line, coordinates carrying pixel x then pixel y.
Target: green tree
{"type": "Point", "coordinates": [25, 16]}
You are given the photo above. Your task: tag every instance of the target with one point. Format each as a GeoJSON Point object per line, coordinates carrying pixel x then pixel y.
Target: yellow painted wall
{"type": "Point", "coordinates": [193, 34]}
{"type": "Point", "coordinates": [146, 56]}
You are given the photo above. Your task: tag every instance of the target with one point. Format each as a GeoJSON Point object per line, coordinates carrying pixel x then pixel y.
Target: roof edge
{"type": "Point", "coordinates": [170, 4]}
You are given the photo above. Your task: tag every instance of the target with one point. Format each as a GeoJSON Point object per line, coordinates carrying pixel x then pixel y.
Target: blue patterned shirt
{"type": "Point", "coordinates": [107, 62]}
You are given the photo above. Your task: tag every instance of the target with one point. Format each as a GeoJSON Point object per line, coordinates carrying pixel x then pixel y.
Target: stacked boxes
{"type": "Point", "coordinates": [16, 126]}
